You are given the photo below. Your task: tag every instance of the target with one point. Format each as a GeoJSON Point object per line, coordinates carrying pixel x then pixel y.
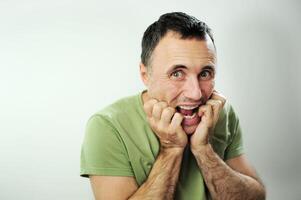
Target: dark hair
{"type": "Point", "coordinates": [187, 26]}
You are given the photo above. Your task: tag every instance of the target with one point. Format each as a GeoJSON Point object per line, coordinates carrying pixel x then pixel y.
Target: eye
{"type": "Point", "coordinates": [205, 75]}
{"type": "Point", "coordinates": [177, 74]}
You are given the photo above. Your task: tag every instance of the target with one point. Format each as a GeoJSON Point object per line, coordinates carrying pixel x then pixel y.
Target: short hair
{"type": "Point", "coordinates": [185, 25]}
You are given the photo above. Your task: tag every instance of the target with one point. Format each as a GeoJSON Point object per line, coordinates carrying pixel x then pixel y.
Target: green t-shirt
{"type": "Point", "coordinates": [120, 142]}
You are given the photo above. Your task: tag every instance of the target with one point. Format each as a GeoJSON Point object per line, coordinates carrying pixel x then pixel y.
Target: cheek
{"type": "Point", "coordinates": [207, 88]}
{"type": "Point", "coordinates": [164, 90]}
{"type": "Point", "coordinates": [173, 91]}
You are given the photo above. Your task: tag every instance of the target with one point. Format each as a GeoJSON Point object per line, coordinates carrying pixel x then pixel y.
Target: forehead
{"type": "Point", "coordinates": [173, 50]}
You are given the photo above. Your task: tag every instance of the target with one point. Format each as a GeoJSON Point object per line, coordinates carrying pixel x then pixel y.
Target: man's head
{"type": "Point", "coordinates": [185, 25]}
{"type": "Point", "coordinates": [178, 64]}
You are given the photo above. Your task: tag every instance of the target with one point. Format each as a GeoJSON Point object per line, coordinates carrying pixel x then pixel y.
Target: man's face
{"type": "Point", "coordinates": [182, 74]}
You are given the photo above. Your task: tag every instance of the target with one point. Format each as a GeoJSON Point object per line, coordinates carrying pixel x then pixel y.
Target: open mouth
{"type": "Point", "coordinates": [191, 117]}
{"type": "Point", "coordinates": [189, 112]}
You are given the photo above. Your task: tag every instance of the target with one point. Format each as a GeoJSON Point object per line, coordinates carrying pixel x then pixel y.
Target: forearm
{"type": "Point", "coordinates": [222, 181]}
{"type": "Point", "coordinates": [162, 180]}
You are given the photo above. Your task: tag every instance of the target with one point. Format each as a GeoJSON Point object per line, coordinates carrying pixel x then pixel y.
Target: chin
{"type": "Point", "coordinates": [189, 130]}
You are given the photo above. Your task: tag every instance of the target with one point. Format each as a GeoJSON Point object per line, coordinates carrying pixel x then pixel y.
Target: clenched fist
{"type": "Point", "coordinates": [166, 123]}
{"type": "Point", "coordinates": [209, 114]}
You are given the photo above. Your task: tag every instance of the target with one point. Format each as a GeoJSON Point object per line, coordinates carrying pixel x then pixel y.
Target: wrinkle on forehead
{"type": "Point", "coordinates": [189, 52]}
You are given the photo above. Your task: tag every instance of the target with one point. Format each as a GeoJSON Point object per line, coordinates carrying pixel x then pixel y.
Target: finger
{"type": "Point", "coordinates": [148, 106]}
{"type": "Point", "coordinates": [206, 115]}
{"type": "Point", "coordinates": [157, 110]}
{"type": "Point", "coordinates": [205, 111]}
{"type": "Point", "coordinates": [218, 96]}
{"type": "Point", "coordinates": [175, 124]}
{"type": "Point", "coordinates": [216, 104]}
{"type": "Point", "coordinates": [216, 107]}
{"type": "Point", "coordinates": [167, 114]}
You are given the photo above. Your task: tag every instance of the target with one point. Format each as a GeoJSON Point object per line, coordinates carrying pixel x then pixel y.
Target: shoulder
{"type": "Point", "coordinates": [119, 107]}
{"type": "Point", "coordinates": [121, 111]}
{"type": "Point", "coordinates": [106, 123]}
{"type": "Point", "coordinates": [226, 136]}
{"type": "Point", "coordinates": [226, 124]}
{"type": "Point", "coordinates": [228, 114]}
{"type": "Point", "coordinates": [232, 116]}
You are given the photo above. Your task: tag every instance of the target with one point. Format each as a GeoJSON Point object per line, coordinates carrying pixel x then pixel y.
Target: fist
{"type": "Point", "coordinates": [209, 114]}
{"type": "Point", "coordinates": [166, 124]}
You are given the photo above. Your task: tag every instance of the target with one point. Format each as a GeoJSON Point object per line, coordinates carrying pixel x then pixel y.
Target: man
{"type": "Point", "coordinates": [179, 139]}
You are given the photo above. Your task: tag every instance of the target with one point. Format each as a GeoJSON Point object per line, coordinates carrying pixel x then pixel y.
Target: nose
{"type": "Point", "coordinates": [192, 89]}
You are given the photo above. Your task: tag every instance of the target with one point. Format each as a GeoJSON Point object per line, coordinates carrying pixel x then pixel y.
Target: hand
{"type": "Point", "coordinates": [209, 114]}
{"type": "Point", "coordinates": [166, 123]}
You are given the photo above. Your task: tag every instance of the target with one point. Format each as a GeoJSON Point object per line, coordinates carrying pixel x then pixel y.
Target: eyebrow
{"type": "Point", "coordinates": [176, 67]}
{"type": "Point", "coordinates": [210, 67]}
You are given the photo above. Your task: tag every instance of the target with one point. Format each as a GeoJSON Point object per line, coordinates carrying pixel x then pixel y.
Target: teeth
{"type": "Point", "coordinates": [190, 116]}
{"type": "Point", "coordinates": [188, 107]}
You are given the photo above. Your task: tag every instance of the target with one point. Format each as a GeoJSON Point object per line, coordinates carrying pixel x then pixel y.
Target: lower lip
{"type": "Point", "coordinates": [190, 122]}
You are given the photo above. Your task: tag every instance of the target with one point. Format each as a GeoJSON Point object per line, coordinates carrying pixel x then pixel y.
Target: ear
{"type": "Point", "coordinates": [144, 74]}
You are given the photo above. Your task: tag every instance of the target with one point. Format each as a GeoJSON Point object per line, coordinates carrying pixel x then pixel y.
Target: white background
{"type": "Point", "coordinates": [61, 61]}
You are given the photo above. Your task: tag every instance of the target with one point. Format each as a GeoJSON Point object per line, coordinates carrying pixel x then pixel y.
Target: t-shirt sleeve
{"type": "Point", "coordinates": [235, 147]}
{"type": "Point", "coordinates": [103, 152]}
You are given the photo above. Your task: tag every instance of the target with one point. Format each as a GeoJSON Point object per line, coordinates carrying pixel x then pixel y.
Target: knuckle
{"type": "Point", "coordinates": [165, 111]}
{"type": "Point", "coordinates": [163, 104]}
{"type": "Point", "coordinates": [211, 104]}
{"type": "Point", "coordinates": [220, 102]}
{"type": "Point", "coordinates": [149, 105]}
{"type": "Point", "coordinates": [214, 102]}
{"type": "Point", "coordinates": [156, 109]}
{"type": "Point", "coordinates": [153, 101]}
{"type": "Point", "coordinates": [169, 110]}
{"type": "Point", "coordinates": [156, 106]}
{"type": "Point", "coordinates": [178, 116]}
